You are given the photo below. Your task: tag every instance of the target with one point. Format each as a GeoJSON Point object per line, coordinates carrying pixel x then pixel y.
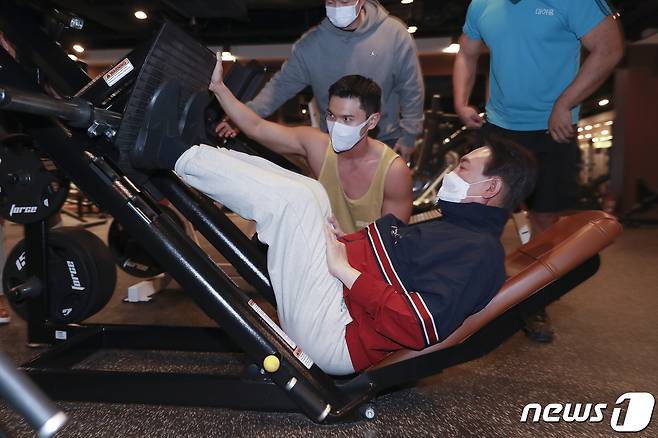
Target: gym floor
{"type": "Point", "coordinates": [605, 346]}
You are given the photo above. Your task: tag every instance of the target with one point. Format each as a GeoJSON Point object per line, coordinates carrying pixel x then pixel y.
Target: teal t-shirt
{"type": "Point", "coordinates": [535, 54]}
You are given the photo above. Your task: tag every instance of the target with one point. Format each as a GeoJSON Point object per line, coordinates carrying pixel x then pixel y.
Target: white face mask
{"type": "Point", "coordinates": [344, 137]}
{"type": "Point", "coordinates": [455, 189]}
{"type": "Point", "coordinates": [342, 16]}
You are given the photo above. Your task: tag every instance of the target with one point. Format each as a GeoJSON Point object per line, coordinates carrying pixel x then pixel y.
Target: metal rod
{"type": "Point", "coordinates": [24, 396]}
{"type": "Point", "coordinates": [77, 112]}
{"type": "Point", "coordinates": [223, 234]}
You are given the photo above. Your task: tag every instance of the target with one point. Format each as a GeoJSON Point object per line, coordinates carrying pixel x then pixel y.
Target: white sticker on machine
{"type": "Point", "coordinates": [273, 325]}
{"type": "Point", "coordinates": [118, 71]}
{"type": "Point", "coordinates": [303, 357]}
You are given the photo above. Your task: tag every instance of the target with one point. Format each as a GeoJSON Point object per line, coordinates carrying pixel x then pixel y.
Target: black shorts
{"type": "Point", "coordinates": [559, 165]}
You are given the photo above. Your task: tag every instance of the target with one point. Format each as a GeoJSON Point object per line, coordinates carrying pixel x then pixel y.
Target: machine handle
{"type": "Point", "coordinates": [77, 112]}
{"type": "Point", "coordinates": [28, 400]}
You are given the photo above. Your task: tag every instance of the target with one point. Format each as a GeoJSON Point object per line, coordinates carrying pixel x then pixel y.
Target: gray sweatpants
{"type": "Point", "coordinates": [290, 211]}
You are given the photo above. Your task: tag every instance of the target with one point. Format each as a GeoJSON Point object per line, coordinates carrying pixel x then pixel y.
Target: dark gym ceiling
{"type": "Point", "coordinates": [111, 23]}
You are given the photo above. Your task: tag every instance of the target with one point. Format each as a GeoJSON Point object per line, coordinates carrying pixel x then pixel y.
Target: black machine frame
{"type": "Point", "coordinates": [102, 173]}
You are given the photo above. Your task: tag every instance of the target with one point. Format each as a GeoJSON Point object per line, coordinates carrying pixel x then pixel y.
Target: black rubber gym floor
{"type": "Point", "coordinates": [605, 346]}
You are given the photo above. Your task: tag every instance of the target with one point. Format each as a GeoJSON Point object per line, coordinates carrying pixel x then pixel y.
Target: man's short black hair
{"type": "Point", "coordinates": [514, 164]}
{"type": "Point", "coordinates": [360, 87]}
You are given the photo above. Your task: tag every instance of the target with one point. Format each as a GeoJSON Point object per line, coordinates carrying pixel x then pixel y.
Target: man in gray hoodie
{"type": "Point", "coordinates": [356, 37]}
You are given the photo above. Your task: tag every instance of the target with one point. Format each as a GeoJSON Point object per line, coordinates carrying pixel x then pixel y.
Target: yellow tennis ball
{"type": "Point", "coordinates": [271, 364]}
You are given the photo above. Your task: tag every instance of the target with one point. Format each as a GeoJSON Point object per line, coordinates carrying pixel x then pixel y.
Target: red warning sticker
{"type": "Point", "coordinates": [118, 71]}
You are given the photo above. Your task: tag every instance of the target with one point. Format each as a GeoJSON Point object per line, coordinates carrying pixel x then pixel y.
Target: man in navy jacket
{"type": "Point", "coordinates": [348, 301]}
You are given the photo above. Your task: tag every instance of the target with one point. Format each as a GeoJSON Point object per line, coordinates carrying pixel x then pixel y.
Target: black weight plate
{"type": "Point", "coordinates": [103, 267]}
{"type": "Point", "coordinates": [31, 187]}
{"type": "Point", "coordinates": [71, 285]}
{"type": "Point", "coordinates": [13, 274]}
{"type": "Point", "coordinates": [81, 275]}
{"type": "Point", "coordinates": [129, 255]}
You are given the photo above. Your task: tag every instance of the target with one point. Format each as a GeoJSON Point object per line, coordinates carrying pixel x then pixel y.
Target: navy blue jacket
{"type": "Point", "coordinates": [425, 279]}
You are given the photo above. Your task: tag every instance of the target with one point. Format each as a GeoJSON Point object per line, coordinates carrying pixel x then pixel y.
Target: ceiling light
{"type": "Point", "coordinates": [580, 137]}
{"type": "Point", "coordinates": [603, 102]}
{"type": "Point", "coordinates": [412, 29]}
{"type": "Point", "coordinates": [608, 123]}
{"type": "Point", "coordinates": [406, 2]}
{"type": "Point", "coordinates": [73, 57]}
{"type": "Point", "coordinates": [141, 15]}
{"type": "Point", "coordinates": [598, 125]}
{"type": "Point", "coordinates": [227, 56]}
{"type": "Point", "coordinates": [588, 128]}
{"type": "Point", "coordinates": [78, 48]}
{"type": "Point", "coordinates": [452, 48]}
{"type": "Point", "coordinates": [605, 132]}
{"type": "Point", "coordinates": [588, 135]}
{"type": "Point", "coordinates": [580, 129]}
{"type": "Point", "coordinates": [304, 110]}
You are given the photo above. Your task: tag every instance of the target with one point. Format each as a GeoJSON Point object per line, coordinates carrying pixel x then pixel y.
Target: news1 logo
{"type": "Point", "coordinates": [637, 414]}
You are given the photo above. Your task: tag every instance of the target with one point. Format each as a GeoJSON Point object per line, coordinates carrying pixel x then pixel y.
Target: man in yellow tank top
{"type": "Point", "coordinates": [364, 179]}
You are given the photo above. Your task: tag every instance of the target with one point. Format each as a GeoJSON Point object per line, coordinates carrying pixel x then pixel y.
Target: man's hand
{"type": "Point", "coordinates": [470, 117]}
{"type": "Point", "coordinates": [337, 261]}
{"type": "Point", "coordinates": [335, 227]}
{"type": "Point", "coordinates": [404, 151]}
{"type": "Point", "coordinates": [224, 129]}
{"type": "Point", "coordinates": [216, 80]}
{"type": "Point", "coordinates": [560, 125]}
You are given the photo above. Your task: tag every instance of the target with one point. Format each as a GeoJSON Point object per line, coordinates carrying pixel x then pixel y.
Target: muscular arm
{"type": "Point", "coordinates": [398, 197]}
{"type": "Point", "coordinates": [605, 46]}
{"type": "Point", "coordinates": [278, 138]}
{"type": "Point", "coordinates": [463, 79]}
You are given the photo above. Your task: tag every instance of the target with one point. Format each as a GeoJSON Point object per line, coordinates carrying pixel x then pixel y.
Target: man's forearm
{"type": "Point", "coordinates": [594, 71]}
{"type": "Point", "coordinates": [463, 79]}
{"type": "Point", "coordinates": [348, 276]}
{"type": "Point", "coordinates": [239, 113]}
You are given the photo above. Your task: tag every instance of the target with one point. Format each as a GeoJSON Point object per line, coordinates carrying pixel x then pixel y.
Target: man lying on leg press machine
{"type": "Point", "coordinates": [349, 302]}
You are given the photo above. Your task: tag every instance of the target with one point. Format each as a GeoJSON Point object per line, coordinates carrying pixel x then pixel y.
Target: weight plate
{"type": "Point", "coordinates": [81, 275]}
{"type": "Point", "coordinates": [31, 187]}
{"type": "Point", "coordinates": [129, 255]}
{"type": "Point", "coordinates": [104, 268]}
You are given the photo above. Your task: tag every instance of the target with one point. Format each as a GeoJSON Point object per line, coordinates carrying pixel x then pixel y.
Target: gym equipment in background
{"type": "Point", "coordinates": [31, 187]}
{"type": "Point", "coordinates": [81, 276]}
{"type": "Point", "coordinates": [443, 143]}
{"type": "Point", "coordinates": [129, 255]}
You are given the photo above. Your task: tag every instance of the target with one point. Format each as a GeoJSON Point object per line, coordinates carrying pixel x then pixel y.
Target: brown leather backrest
{"type": "Point", "coordinates": [566, 245]}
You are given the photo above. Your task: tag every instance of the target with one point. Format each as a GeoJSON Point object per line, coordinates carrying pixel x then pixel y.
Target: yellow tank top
{"type": "Point", "coordinates": [354, 214]}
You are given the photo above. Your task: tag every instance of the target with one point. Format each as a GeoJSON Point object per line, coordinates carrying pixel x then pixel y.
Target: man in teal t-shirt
{"type": "Point", "coordinates": [536, 84]}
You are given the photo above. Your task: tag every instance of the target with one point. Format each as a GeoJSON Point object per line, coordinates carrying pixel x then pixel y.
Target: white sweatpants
{"type": "Point", "coordinates": [290, 211]}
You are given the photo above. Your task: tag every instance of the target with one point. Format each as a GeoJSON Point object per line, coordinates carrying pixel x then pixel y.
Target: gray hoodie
{"type": "Point", "coordinates": [380, 49]}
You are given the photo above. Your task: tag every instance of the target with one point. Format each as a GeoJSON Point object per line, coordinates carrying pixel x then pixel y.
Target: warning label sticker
{"type": "Point", "coordinates": [303, 357]}
{"type": "Point", "coordinates": [272, 324]}
{"type": "Point", "coordinates": [118, 71]}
